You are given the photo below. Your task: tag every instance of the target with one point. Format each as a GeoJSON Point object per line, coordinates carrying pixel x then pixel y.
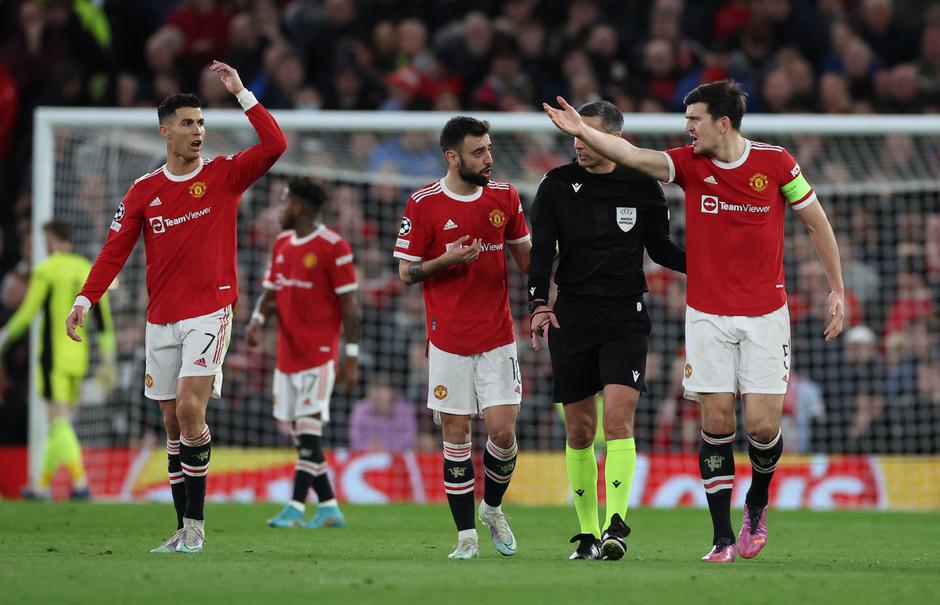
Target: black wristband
{"type": "Point", "coordinates": [538, 302]}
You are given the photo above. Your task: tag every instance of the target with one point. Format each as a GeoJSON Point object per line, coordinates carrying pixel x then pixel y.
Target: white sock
{"type": "Point", "coordinates": [298, 505]}
{"type": "Point", "coordinates": [330, 502]}
{"type": "Point", "coordinates": [466, 533]}
{"type": "Point", "coordinates": [486, 508]}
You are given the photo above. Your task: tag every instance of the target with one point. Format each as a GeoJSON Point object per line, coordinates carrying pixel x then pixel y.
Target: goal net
{"type": "Point", "coordinates": [861, 418]}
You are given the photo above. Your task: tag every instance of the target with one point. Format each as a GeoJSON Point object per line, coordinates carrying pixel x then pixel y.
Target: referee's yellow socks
{"type": "Point", "coordinates": [582, 475]}
{"type": "Point", "coordinates": [62, 447]}
{"type": "Point", "coordinates": [618, 476]}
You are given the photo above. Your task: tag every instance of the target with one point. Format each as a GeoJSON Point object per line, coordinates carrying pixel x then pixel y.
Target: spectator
{"type": "Point", "coordinates": [205, 28]}
{"type": "Point", "coordinates": [383, 421]}
{"type": "Point", "coordinates": [889, 39]}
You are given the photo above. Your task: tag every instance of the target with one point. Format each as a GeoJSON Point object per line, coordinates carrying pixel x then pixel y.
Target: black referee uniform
{"type": "Point", "coordinates": [602, 223]}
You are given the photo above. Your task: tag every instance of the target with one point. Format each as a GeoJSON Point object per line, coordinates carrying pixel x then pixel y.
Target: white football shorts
{"type": "Point", "coordinates": [468, 384]}
{"type": "Point", "coordinates": [736, 354]}
{"type": "Point", "coordinates": [189, 347]}
{"type": "Point", "coordinates": [304, 393]}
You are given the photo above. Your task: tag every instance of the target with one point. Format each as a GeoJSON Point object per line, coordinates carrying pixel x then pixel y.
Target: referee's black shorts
{"type": "Point", "coordinates": [601, 341]}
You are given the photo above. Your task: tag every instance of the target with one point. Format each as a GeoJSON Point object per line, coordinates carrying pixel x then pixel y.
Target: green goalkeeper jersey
{"type": "Point", "coordinates": [53, 286]}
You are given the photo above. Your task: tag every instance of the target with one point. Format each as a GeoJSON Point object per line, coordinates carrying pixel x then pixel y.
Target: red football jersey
{"type": "Point", "coordinates": [309, 274]}
{"type": "Point", "coordinates": [734, 226]}
{"type": "Point", "coordinates": [189, 225]}
{"type": "Point", "coordinates": [467, 306]}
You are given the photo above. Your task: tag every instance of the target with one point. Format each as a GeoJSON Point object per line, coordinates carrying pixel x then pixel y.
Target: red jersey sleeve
{"type": "Point", "coordinates": [793, 185]}
{"type": "Point", "coordinates": [122, 236]}
{"type": "Point", "coordinates": [516, 229]}
{"type": "Point", "coordinates": [248, 165]}
{"type": "Point", "coordinates": [341, 269]}
{"type": "Point", "coordinates": [678, 160]}
{"type": "Point", "coordinates": [269, 283]}
{"type": "Point", "coordinates": [413, 234]}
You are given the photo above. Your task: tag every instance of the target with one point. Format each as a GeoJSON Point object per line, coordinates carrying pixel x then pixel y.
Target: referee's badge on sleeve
{"type": "Point", "coordinates": [626, 218]}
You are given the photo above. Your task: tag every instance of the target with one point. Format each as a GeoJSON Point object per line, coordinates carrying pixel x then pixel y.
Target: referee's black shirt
{"type": "Point", "coordinates": [601, 222]}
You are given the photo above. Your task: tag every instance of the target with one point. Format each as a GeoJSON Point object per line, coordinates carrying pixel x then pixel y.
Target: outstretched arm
{"type": "Point", "coordinates": [613, 147]}
{"type": "Point", "coordinates": [824, 242]}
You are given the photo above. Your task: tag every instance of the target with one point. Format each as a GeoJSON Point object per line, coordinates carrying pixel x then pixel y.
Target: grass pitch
{"type": "Point", "coordinates": [97, 553]}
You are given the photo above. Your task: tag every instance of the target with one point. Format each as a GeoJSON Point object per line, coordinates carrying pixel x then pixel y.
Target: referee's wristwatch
{"type": "Point", "coordinates": [534, 304]}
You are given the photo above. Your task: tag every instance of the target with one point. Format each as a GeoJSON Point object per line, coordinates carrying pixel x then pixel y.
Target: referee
{"type": "Point", "coordinates": [602, 216]}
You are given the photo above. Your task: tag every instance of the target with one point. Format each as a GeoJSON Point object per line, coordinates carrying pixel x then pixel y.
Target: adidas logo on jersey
{"type": "Point", "coordinates": [450, 225]}
{"type": "Point", "coordinates": [711, 180]}
{"type": "Point", "coordinates": [156, 202]}
{"type": "Point", "coordinates": [576, 187]}
{"type": "Point", "coordinates": [201, 362]}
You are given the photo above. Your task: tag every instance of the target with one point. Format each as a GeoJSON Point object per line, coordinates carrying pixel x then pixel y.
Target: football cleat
{"type": "Point", "coordinates": [194, 536]}
{"type": "Point", "coordinates": [589, 548]}
{"type": "Point", "coordinates": [28, 493]}
{"type": "Point", "coordinates": [503, 538]}
{"type": "Point", "coordinates": [723, 552]}
{"type": "Point", "coordinates": [288, 517]}
{"type": "Point", "coordinates": [80, 495]}
{"type": "Point", "coordinates": [613, 546]}
{"type": "Point", "coordinates": [466, 549]}
{"type": "Point", "coordinates": [753, 535]}
{"type": "Point", "coordinates": [170, 544]}
{"type": "Point", "coordinates": [327, 516]}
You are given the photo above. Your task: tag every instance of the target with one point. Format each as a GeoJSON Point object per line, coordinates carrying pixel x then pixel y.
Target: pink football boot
{"type": "Point", "coordinates": [753, 535]}
{"type": "Point", "coordinates": [721, 553]}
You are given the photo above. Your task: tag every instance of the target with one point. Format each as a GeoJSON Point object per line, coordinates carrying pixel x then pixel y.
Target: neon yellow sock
{"type": "Point", "coordinates": [72, 454]}
{"type": "Point", "coordinates": [618, 476]}
{"type": "Point", "coordinates": [51, 456]}
{"type": "Point", "coordinates": [582, 475]}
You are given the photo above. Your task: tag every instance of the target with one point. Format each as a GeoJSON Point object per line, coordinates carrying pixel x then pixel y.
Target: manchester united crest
{"type": "Point", "coordinates": [148, 380]}
{"type": "Point", "coordinates": [688, 370]}
{"type": "Point", "coordinates": [758, 182]}
{"type": "Point", "coordinates": [310, 260]}
{"type": "Point", "coordinates": [440, 391]}
{"type": "Point", "coordinates": [197, 189]}
{"type": "Point", "coordinates": [498, 218]}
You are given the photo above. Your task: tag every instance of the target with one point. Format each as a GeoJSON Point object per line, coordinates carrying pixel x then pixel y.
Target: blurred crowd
{"type": "Point", "coordinates": [877, 389]}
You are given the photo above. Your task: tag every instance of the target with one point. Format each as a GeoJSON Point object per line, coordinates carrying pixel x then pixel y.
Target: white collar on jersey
{"type": "Point", "coordinates": [461, 198]}
{"type": "Point", "coordinates": [179, 178]}
{"type": "Point", "coordinates": [297, 241]}
{"type": "Point", "coordinates": [737, 162]}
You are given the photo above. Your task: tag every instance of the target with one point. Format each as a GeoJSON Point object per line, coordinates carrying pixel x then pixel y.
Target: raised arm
{"type": "Point", "coordinates": [824, 242]}
{"type": "Point", "coordinates": [253, 162]}
{"type": "Point", "coordinates": [613, 147]}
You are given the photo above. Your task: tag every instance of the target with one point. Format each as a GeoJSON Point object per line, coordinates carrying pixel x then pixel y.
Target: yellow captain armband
{"type": "Point", "coordinates": [796, 189]}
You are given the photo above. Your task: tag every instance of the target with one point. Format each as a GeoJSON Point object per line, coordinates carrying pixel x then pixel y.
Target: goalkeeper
{"type": "Point", "coordinates": [63, 362]}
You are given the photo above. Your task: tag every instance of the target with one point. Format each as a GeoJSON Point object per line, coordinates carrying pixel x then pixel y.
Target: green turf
{"type": "Point", "coordinates": [97, 553]}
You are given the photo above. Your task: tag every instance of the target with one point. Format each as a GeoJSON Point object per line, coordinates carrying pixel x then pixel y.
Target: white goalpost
{"type": "Point", "coordinates": [863, 413]}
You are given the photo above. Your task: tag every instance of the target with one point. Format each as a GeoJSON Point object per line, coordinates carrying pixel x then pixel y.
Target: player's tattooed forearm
{"type": "Point", "coordinates": [417, 272]}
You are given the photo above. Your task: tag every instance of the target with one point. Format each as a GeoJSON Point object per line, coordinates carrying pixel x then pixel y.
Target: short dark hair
{"type": "Point", "coordinates": [611, 117]}
{"type": "Point", "coordinates": [169, 105]}
{"type": "Point", "coordinates": [721, 98]}
{"type": "Point", "coordinates": [454, 131]}
{"type": "Point", "coordinates": [308, 191]}
{"type": "Point", "coordinates": [59, 229]}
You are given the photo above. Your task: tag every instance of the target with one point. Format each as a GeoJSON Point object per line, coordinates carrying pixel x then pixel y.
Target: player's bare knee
{"type": "Point", "coordinates": [763, 432]}
{"type": "Point", "coordinates": [503, 436]}
{"type": "Point", "coordinates": [191, 416]}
